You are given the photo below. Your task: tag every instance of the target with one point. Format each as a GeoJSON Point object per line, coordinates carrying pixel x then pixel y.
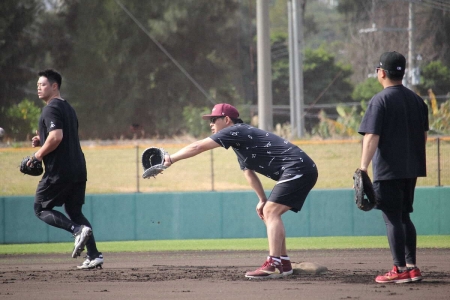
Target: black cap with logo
{"type": "Point", "coordinates": [393, 62]}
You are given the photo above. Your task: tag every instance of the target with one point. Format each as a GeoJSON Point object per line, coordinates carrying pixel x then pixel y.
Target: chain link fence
{"type": "Point", "coordinates": [438, 162]}
{"type": "Point", "coordinates": [117, 168]}
{"type": "Point", "coordinates": [218, 169]}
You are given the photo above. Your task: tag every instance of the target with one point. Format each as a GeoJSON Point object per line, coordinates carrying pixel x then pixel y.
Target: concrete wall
{"type": "Point", "coordinates": [211, 215]}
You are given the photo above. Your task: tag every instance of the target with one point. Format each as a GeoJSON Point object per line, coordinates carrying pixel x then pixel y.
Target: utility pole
{"type": "Point", "coordinates": [410, 79]}
{"type": "Point", "coordinates": [410, 76]}
{"type": "Point", "coordinates": [293, 119]}
{"type": "Point", "coordinates": [295, 18]}
{"type": "Point", "coordinates": [265, 110]}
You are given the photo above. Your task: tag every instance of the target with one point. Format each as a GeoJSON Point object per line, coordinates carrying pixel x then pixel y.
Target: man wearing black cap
{"type": "Point", "coordinates": [272, 156]}
{"type": "Point", "coordinates": [395, 129]}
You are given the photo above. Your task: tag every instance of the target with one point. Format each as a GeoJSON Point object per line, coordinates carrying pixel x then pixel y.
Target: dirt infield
{"type": "Point", "coordinates": [218, 275]}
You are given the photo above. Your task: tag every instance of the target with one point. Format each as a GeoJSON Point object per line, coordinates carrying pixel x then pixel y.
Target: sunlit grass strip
{"type": "Point", "coordinates": [307, 243]}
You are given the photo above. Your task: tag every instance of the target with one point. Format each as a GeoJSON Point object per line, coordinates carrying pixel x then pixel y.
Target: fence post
{"type": "Point", "coordinates": [137, 169]}
{"type": "Point", "coordinates": [438, 140]}
{"type": "Point", "coordinates": [212, 170]}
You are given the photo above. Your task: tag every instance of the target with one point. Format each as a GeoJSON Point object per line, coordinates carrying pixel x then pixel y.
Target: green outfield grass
{"type": "Point", "coordinates": [307, 243]}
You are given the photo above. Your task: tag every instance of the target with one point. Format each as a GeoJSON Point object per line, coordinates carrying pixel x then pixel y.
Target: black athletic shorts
{"type": "Point", "coordinates": [395, 194]}
{"type": "Point", "coordinates": [293, 193]}
{"type": "Point", "coordinates": [51, 195]}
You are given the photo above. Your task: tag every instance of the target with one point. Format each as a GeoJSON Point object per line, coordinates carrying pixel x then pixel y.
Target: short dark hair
{"type": "Point", "coordinates": [52, 76]}
{"type": "Point", "coordinates": [394, 75]}
{"type": "Point", "coordinates": [236, 120]}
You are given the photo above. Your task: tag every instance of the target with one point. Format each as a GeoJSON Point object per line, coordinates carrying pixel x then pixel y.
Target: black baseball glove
{"type": "Point", "coordinates": [35, 167]}
{"type": "Point", "coordinates": [153, 162]}
{"type": "Point", "coordinates": [365, 197]}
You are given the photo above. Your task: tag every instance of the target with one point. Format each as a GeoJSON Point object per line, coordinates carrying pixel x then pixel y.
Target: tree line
{"type": "Point", "coordinates": [150, 68]}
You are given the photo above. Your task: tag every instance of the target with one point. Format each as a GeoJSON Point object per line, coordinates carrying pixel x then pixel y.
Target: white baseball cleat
{"type": "Point", "coordinates": [91, 263]}
{"type": "Point", "coordinates": [81, 237]}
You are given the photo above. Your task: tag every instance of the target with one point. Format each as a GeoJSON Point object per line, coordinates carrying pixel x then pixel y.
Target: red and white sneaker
{"type": "Point", "coordinates": [270, 269]}
{"type": "Point", "coordinates": [394, 276]}
{"type": "Point", "coordinates": [287, 267]}
{"type": "Point", "coordinates": [415, 274]}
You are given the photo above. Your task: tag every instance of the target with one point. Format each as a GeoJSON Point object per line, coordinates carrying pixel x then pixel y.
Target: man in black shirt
{"type": "Point", "coordinates": [272, 156]}
{"type": "Point", "coordinates": [64, 180]}
{"type": "Point", "coordinates": [395, 129]}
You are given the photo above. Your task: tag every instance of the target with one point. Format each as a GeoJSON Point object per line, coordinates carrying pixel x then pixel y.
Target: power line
{"type": "Point", "coordinates": [161, 47]}
{"type": "Point", "coordinates": [437, 4]}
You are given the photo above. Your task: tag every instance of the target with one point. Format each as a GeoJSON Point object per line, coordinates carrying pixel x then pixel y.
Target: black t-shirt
{"type": "Point", "coordinates": [264, 152]}
{"type": "Point", "coordinates": [400, 117]}
{"type": "Point", "coordinates": [66, 163]}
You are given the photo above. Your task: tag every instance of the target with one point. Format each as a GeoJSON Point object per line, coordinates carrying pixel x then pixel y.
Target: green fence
{"type": "Point", "coordinates": [212, 215]}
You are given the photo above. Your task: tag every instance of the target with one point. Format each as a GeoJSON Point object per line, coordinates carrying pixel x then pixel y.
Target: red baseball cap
{"type": "Point", "coordinates": [223, 110]}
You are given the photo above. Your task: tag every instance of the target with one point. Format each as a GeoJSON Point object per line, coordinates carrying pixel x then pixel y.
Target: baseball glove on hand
{"type": "Point", "coordinates": [364, 194]}
{"type": "Point", "coordinates": [35, 167]}
{"type": "Point", "coordinates": [153, 162]}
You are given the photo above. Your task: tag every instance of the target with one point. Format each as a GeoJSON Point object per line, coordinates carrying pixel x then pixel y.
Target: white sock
{"type": "Point", "coordinates": [276, 259]}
